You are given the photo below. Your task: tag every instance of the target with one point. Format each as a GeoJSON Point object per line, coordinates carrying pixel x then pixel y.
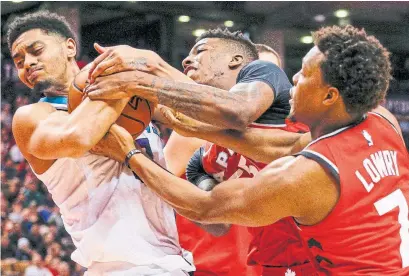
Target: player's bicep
{"type": "Point", "coordinates": [51, 140]}
{"type": "Point", "coordinates": [257, 97]}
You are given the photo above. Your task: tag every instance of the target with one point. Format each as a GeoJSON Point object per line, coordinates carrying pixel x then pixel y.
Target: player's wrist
{"type": "Point", "coordinates": [130, 154]}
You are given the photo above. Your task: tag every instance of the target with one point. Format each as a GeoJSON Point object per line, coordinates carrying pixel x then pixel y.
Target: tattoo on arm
{"type": "Point", "coordinates": [205, 103]}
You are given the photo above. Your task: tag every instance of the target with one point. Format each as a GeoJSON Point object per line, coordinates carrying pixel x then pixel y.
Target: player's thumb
{"type": "Point", "coordinates": [167, 113]}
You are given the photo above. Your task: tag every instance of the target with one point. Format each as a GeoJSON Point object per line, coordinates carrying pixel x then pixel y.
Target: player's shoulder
{"type": "Point", "coordinates": [29, 113]}
{"type": "Point", "coordinates": [27, 117]}
{"type": "Point", "coordinates": [260, 64]}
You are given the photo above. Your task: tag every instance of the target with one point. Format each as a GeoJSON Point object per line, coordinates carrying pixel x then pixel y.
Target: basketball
{"type": "Point", "coordinates": [134, 118]}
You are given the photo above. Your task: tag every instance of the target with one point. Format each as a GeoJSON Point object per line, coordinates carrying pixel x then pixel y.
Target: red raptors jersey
{"type": "Point", "coordinates": [367, 232]}
{"type": "Point", "coordinates": [276, 245]}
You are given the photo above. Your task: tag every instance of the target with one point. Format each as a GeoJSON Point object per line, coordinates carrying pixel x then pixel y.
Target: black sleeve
{"type": "Point", "coordinates": [194, 170]}
{"type": "Point", "coordinates": [267, 72]}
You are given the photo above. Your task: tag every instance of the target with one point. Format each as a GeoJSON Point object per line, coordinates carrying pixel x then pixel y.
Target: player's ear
{"type": "Point", "coordinates": [331, 96]}
{"type": "Point", "coordinates": [71, 47]}
{"type": "Point", "coordinates": [236, 61]}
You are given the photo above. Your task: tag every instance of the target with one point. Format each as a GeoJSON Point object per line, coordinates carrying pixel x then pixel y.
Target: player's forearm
{"type": "Point", "coordinates": [204, 103]}
{"type": "Point", "coordinates": [92, 119]}
{"type": "Point", "coordinates": [262, 145]}
{"type": "Point", "coordinates": [74, 134]}
{"type": "Point", "coordinates": [185, 198]}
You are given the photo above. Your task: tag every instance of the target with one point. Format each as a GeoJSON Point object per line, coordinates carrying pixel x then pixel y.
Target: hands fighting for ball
{"type": "Point", "coordinates": [117, 69]}
{"type": "Point", "coordinates": [122, 72]}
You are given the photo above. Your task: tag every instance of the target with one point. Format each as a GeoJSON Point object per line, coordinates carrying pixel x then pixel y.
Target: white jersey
{"type": "Point", "coordinates": [118, 225]}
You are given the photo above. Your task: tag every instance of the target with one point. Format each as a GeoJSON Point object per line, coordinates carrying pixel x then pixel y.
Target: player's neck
{"type": "Point", "coordinates": [62, 90]}
{"type": "Point", "coordinates": [332, 123]}
{"type": "Point", "coordinates": [224, 81]}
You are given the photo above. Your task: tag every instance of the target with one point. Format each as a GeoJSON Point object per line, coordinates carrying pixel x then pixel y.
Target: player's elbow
{"type": "Point", "coordinates": [77, 142]}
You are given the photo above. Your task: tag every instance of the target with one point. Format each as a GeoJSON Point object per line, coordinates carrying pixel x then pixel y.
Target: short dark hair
{"type": "Point", "coordinates": [44, 20]}
{"type": "Point", "coordinates": [237, 39]}
{"type": "Point", "coordinates": [263, 48]}
{"type": "Point", "coordinates": [355, 63]}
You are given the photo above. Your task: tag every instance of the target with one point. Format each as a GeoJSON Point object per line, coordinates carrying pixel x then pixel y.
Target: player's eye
{"type": "Point", "coordinates": [20, 63]}
{"type": "Point", "coordinates": [38, 51]}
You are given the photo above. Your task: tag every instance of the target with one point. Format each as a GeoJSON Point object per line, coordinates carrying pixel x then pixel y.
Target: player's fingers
{"type": "Point", "coordinates": [115, 68]}
{"type": "Point", "coordinates": [100, 68]}
{"type": "Point", "coordinates": [97, 61]}
{"type": "Point", "coordinates": [168, 114]}
{"type": "Point", "coordinates": [100, 49]}
{"type": "Point", "coordinates": [95, 95]}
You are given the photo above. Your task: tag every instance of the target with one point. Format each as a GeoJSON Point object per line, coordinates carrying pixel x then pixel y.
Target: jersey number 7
{"type": "Point", "coordinates": [387, 204]}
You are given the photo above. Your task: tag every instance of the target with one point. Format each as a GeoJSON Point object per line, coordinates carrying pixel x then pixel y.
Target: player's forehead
{"type": "Point", "coordinates": [313, 58]}
{"type": "Point", "coordinates": [30, 38]}
{"type": "Point", "coordinates": [208, 42]}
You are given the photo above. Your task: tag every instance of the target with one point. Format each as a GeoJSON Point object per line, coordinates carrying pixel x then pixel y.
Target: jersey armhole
{"type": "Point", "coordinates": [380, 115]}
{"type": "Point", "coordinates": [323, 161]}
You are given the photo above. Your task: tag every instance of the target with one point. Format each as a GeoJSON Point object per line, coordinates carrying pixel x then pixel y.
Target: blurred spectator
{"type": "Point", "coordinates": [56, 217]}
{"type": "Point", "coordinates": [64, 269]}
{"type": "Point", "coordinates": [8, 250]}
{"type": "Point", "coordinates": [16, 214]}
{"type": "Point", "coordinates": [78, 270]}
{"type": "Point", "coordinates": [6, 115]}
{"type": "Point", "coordinates": [21, 100]}
{"type": "Point", "coordinates": [52, 264]}
{"type": "Point", "coordinates": [35, 238]}
{"type": "Point", "coordinates": [32, 196]}
{"type": "Point", "coordinates": [11, 189]}
{"type": "Point", "coordinates": [15, 154]}
{"type": "Point", "coordinates": [24, 251]}
{"type": "Point", "coordinates": [37, 267]}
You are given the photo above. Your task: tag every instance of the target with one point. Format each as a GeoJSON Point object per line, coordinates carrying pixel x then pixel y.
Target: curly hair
{"type": "Point", "coordinates": [44, 20]}
{"type": "Point", "coordinates": [236, 39]}
{"type": "Point", "coordinates": [355, 63]}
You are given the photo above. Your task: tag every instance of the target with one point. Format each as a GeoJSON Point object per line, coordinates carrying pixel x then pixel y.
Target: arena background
{"type": "Point", "coordinates": [32, 234]}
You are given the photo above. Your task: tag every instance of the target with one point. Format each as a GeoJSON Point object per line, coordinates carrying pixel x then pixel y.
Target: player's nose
{"type": "Point", "coordinates": [187, 61]}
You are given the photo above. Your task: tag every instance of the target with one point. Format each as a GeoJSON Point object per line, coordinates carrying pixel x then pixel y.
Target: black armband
{"type": "Point", "coordinates": [194, 170]}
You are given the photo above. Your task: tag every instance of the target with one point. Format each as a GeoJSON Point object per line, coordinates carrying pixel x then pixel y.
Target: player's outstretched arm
{"type": "Point", "coordinates": [47, 134]}
{"type": "Point", "coordinates": [262, 145]}
{"type": "Point", "coordinates": [233, 109]}
{"type": "Point", "coordinates": [291, 186]}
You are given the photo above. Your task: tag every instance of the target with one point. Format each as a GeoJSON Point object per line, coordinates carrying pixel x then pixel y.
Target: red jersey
{"type": "Point", "coordinates": [367, 232]}
{"type": "Point", "coordinates": [274, 246]}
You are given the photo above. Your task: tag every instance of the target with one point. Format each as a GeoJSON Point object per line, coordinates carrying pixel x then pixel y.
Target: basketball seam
{"type": "Point", "coordinates": [149, 106]}
{"type": "Point", "coordinates": [76, 87]}
{"type": "Point", "coordinates": [139, 121]}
